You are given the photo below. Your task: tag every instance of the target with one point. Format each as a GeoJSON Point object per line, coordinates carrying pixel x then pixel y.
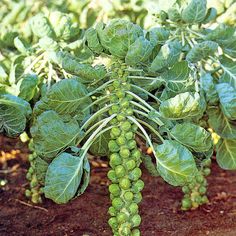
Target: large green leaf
{"type": "Point", "coordinates": [167, 56]}
{"type": "Point", "coordinates": [27, 86]}
{"type": "Point", "coordinates": [192, 136]}
{"type": "Point", "coordinates": [226, 154]}
{"type": "Point", "coordinates": [201, 51]}
{"type": "Point", "coordinates": [229, 67]}
{"type": "Point", "coordinates": [139, 51]}
{"type": "Point", "coordinates": [100, 144]}
{"type": "Point", "coordinates": [227, 96]}
{"type": "Point", "coordinates": [66, 97]}
{"type": "Point", "coordinates": [14, 112]}
{"type": "Point", "coordinates": [221, 124]}
{"type": "Point", "coordinates": [229, 46]}
{"type": "Point", "coordinates": [177, 76]}
{"type": "Point", "coordinates": [208, 86]}
{"type": "Point", "coordinates": [51, 134]}
{"type": "Point", "coordinates": [175, 163]}
{"type": "Point", "coordinates": [195, 12]}
{"type": "Point", "coordinates": [65, 176]}
{"type": "Point", "coordinates": [182, 106]}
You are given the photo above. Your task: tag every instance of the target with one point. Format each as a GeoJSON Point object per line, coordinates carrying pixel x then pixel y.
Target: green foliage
{"type": "Point", "coordinates": [103, 88]}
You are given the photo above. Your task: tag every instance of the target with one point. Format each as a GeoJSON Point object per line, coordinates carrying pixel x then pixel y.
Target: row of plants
{"type": "Point", "coordinates": [78, 92]}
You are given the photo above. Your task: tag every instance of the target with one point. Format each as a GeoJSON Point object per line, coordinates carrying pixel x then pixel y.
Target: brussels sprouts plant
{"type": "Point", "coordinates": [172, 86]}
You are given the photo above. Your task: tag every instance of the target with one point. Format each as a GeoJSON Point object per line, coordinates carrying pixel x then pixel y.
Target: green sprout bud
{"type": "Point", "coordinates": [129, 135]}
{"type": "Point", "coordinates": [112, 176]}
{"type": "Point", "coordinates": [135, 232]}
{"type": "Point", "coordinates": [113, 146]}
{"type": "Point", "coordinates": [206, 171]}
{"type": "Point", "coordinates": [136, 220]}
{"type": "Point", "coordinates": [124, 152]}
{"type": "Point", "coordinates": [120, 171]}
{"type": "Point", "coordinates": [114, 189]}
{"type": "Point", "coordinates": [130, 165]}
{"type": "Point", "coordinates": [125, 126]}
{"type": "Point", "coordinates": [27, 193]}
{"type": "Point", "coordinates": [132, 144]}
{"type": "Point", "coordinates": [112, 211]}
{"type": "Point", "coordinates": [121, 140]}
{"type": "Point", "coordinates": [138, 197]}
{"type": "Point", "coordinates": [185, 189]}
{"type": "Point", "coordinates": [135, 174]}
{"type": "Point", "coordinates": [120, 117]}
{"type": "Point", "coordinates": [122, 217]}
{"type": "Point", "coordinates": [133, 208]}
{"type": "Point", "coordinates": [115, 159]}
{"type": "Point", "coordinates": [125, 184]}
{"type": "Point", "coordinates": [202, 190]}
{"type": "Point", "coordinates": [199, 178]}
{"type": "Point", "coordinates": [128, 196]}
{"type": "Point", "coordinates": [117, 203]}
{"type": "Point", "coordinates": [138, 186]}
{"type": "Point", "coordinates": [113, 223]}
{"type": "Point", "coordinates": [186, 203]}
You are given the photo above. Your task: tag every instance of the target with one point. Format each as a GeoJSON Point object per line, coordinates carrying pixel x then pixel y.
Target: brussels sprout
{"type": "Point", "coordinates": [112, 176]}
{"type": "Point", "coordinates": [114, 189]}
{"type": "Point", "coordinates": [130, 165]}
{"type": "Point", "coordinates": [124, 152]}
{"type": "Point", "coordinates": [136, 154]}
{"type": "Point", "coordinates": [115, 159]}
{"type": "Point", "coordinates": [202, 190]}
{"type": "Point", "coordinates": [138, 186]}
{"type": "Point", "coordinates": [132, 144]}
{"type": "Point", "coordinates": [199, 178]}
{"type": "Point", "coordinates": [115, 108]}
{"type": "Point", "coordinates": [135, 174]}
{"type": "Point", "coordinates": [137, 197]}
{"type": "Point", "coordinates": [27, 193]}
{"type": "Point", "coordinates": [129, 135]}
{"type": "Point", "coordinates": [113, 146]}
{"type": "Point", "coordinates": [112, 211]}
{"type": "Point", "coordinates": [125, 126]}
{"type": "Point", "coordinates": [206, 171]}
{"type": "Point", "coordinates": [133, 208]}
{"type": "Point", "coordinates": [186, 203]}
{"type": "Point", "coordinates": [120, 94]}
{"type": "Point", "coordinates": [121, 140]}
{"type": "Point", "coordinates": [136, 220]}
{"type": "Point", "coordinates": [129, 112]}
{"type": "Point", "coordinates": [125, 229]}
{"type": "Point", "coordinates": [115, 131]}
{"type": "Point", "coordinates": [120, 117]}
{"type": "Point", "coordinates": [125, 183]}
{"type": "Point", "coordinates": [120, 171]}
{"type": "Point", "coordinates": [117, 203]}
{"type": "Point", "coordinates": [185, 189]}
{"type": "Point", "coordinates": [121, 217]}
{"type": "Point", "coordinates": [128, 196]}
{"type": "Point", "coordinates": [135, 232]}
{"type": "Point", "coordinates": [113, 222]}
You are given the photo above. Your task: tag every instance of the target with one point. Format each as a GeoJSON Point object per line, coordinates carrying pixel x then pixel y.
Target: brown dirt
{"type": "Point", "coordinates": [87, 215]}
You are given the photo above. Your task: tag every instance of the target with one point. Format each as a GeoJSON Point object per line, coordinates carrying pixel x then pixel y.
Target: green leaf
{"type": "Point", "coordinates": [192, 136]}
{"type": "Point", "coordinates": [221, 124]}
{"type": "Point", "coordinates": [229, 46]}
{"type": "Point", "coordinates": [66, 97]}
{"type": "Point", "coordinates": [201, 51]}
{"type": "Point", "coordinates": [167, 56]}
{"type": "Point", "coordinates": [51, 134]}
{"type": "Point", "coordinates": [229, 75]}
{"type": "Point", "coordinates": [195, 12]}
{"type": "Point", "coordinates": [177, 76]}
{"type": "Point", "coordinates": [92, 40]}
{"type": "Point", "coordinates": [182, 106]}
{"type": "Point", "coordinates": [64, 177]}
{"type": "Point", "coordinates": [100, 145]}
{"type": "Point", "coordinates": [227, 96]}
{"type": "Point", "coordinates": [14, 112]}
{"type": "Point", "coordinates": [27, 86]}
{"type": "Point", "coordinates": [118, 35]}
{"type": "Point", "coordinates": [226, 154]}
{"type": "Point", "coordinates": [41, 26]}
{"type": "Point", "coordinates": [207, 85]}
{"type": "Point", "coordinates": [139, 51]}
{"type": "Point", "coordinates": [175, 163]}
{"type": "Point", "coordinates": [158, 35]}
{"type": "Point", "coordinates": [210, 16]}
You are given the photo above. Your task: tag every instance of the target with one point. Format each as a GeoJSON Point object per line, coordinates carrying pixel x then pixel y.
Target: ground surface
{"type": "Point", "coordinates": [87, 215]}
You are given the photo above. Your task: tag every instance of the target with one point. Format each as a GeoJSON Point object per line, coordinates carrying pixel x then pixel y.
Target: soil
{"type": "Point", "coordinates": [87, 215]}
